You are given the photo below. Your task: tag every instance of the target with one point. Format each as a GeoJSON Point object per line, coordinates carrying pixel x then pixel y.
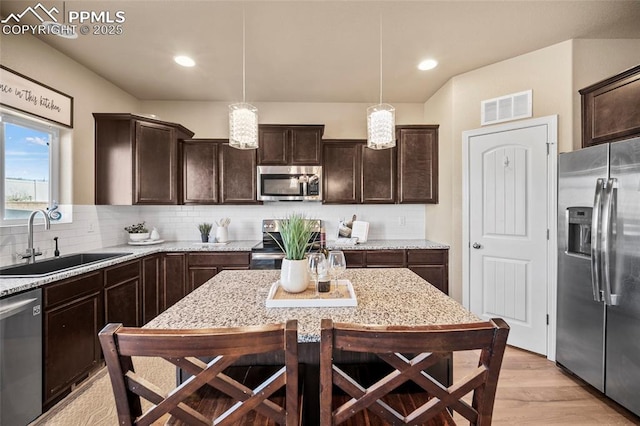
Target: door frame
{"type": "Point", "coordinates": [551, 121]}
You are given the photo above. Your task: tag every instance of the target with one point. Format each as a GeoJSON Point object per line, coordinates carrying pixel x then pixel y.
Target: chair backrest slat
{"type": "Point", "coordinates": [410, 350]}
{"type": "Point", "coordinates": [204, 354]}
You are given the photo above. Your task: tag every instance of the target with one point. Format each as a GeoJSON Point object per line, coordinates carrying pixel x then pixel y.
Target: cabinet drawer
{"type": "Point", "coordinates": [385, 258]}
{"type": "Point", "coordinates": [221, 259]}
{"type": "Point", "coordinates": [427, 257]}
{"type": "Point", "coordinates": [120, 273]}
{"type": "Point", "coordinates": [355, 258]}
{"type": "Point", "coordinates": [72, 288]}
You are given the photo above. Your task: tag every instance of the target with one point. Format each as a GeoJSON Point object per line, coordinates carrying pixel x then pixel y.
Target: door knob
{"type": "Point", "coordinates": [476, 246]}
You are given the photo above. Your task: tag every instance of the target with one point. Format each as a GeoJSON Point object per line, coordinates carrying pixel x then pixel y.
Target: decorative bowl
{"type": "Point", "coordinates": [139, 236]}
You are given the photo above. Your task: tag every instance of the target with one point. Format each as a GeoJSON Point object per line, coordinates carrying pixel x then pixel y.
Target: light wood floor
{"type": "Point", "coordinates": [534, 391]}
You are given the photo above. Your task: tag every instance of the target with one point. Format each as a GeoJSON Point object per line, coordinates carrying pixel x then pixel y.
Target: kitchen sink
{"type": "Point", "coordinates": [55, 265]}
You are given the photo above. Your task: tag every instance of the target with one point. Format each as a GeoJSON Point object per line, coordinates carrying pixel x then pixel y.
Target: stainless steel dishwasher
{"type": "Point", "coordinates": [20, 358]}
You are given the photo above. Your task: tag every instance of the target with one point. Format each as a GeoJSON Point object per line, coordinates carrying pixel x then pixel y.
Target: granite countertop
{"type": "Point", "coordinates": [386, 296]}
{"type": "Point", "coordinates": [10, 286]}
{"type": "Point", "coordinates": [388, 245]}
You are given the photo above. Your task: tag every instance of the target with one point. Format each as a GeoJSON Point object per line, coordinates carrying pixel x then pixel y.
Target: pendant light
{"type": "Point", "coordinates": [381, 118]}
{"type": "Point", "coordinates": [243, 117]}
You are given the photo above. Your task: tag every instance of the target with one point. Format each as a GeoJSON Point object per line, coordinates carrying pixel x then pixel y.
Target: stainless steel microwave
{"type": "Point", "coordinates": [290, 183]}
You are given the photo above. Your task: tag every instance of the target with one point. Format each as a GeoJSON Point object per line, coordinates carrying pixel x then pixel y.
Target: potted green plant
{"type": "Point", "coordinates": [205, 229]}
{"type": "Point", "coordinates": [296, 232]}
{"type": "Point", "coordinates": [137, 232]}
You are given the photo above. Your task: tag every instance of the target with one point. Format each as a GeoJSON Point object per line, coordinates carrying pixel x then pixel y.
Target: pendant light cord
{"type": "Point", "coordinates": [380, 57]}
{"type": "Point", "coordinates": [243, 56]}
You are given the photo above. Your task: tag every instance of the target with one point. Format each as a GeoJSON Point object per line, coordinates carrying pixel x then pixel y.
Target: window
{"type": "Point", "coordinates": [28, 166]}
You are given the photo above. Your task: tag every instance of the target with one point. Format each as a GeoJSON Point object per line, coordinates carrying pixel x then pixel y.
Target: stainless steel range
{"type": "Point", "coordinates": [267, 254]}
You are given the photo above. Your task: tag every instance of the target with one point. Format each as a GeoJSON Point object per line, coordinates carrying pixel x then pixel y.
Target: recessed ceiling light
{"type": "Point", "coordinates": [185, 61]}
{"type": "Point", "coordinates": [427, 64]}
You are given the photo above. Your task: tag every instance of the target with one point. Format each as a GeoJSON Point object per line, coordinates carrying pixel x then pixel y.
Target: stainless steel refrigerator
{"type": "Point", "coordinates": [598, 334]}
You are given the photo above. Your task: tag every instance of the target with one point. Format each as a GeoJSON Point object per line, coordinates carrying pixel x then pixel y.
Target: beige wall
{"type": "Point", "coordinates": [554, 74]}
{"type": "Point", "coordinates": [91, 93]}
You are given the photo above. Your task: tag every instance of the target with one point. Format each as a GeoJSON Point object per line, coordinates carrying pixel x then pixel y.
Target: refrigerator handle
{"type": "Point", "coordinates": [596, 272]}
{"type": "Point", "coordinates": [608, 211]}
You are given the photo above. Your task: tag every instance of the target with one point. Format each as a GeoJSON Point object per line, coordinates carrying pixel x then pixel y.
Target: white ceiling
{"type": "Point", "coordinates": [322, 51]}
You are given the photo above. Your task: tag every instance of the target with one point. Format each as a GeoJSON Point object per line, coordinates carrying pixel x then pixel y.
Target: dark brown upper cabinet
{"type": "Point", "coordinates": [290, 144]}
{"type": "Point", "coordinates": [610, 108]}
{"type": "Point", "coordinates": [353, 173]}
{"type": "Point", "coordinates": [136, 159]}
{"type": "Point", "coordinates": [238, 175]}
{"type": "Point", "coordinates": [417, 163]}
{"type": "Point", "coordinates": [215, 173]}
{"type": "Point", "coordinates": [200, 171]}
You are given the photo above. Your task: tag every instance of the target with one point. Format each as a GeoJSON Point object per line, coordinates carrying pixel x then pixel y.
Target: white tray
{"type": "Point", "coordinates": [144, 242]}
{"type": "Point", "coordinates": [340, 296]}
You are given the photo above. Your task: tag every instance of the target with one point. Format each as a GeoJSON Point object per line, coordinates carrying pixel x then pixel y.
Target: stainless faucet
{"type": "Point", "coordinates": [31, 253]}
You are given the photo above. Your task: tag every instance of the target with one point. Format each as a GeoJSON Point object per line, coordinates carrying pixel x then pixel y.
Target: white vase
{"type": "Point", "coordinates": [294, 277]}
{"type": "Point", "coordinates": [222, 234]}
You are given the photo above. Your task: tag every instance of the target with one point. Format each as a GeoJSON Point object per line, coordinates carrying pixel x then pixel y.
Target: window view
{"type": "Point", "coordinates": [27, 163]}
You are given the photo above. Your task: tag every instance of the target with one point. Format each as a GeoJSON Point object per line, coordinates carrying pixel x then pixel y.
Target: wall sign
{"type": "Point", "coordinates": [25, 94]}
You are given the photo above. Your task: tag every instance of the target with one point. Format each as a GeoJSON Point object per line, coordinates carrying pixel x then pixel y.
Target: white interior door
{"type": "Point", "coordinates": [508, 231]}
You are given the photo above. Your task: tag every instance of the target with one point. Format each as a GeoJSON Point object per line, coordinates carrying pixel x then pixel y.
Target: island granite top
{"type": "Point", "coordinates": [386, 296]}
{"type": "Point", "coordinates": [9, 286]}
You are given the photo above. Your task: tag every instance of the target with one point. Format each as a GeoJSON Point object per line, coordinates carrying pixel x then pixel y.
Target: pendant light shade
{"type": "Point", "coordinates": [243, 126]}
{"type": "Point", "coordinates": [243, 117]}
{"type": "Point", "coordinates": [381, 123]}
{"type": "Point", "coordinates": [381, 118]}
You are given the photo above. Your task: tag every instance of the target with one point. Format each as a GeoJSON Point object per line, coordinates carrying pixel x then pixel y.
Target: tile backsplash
{"type": "Point", "coordinates": [94, 227]}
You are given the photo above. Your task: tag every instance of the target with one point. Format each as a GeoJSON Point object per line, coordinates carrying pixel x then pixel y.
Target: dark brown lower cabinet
{"type": "Point", "coordinates": [204, 266]}
{"type": "Point", "coordinates": [174, 284]}
{"type": "Point", "coordinates": [122, 292]}
{"type": "Point", "coordinates": [73, 316]}
{"type": "Point", "coordinates": [432, 265]}
{"type": "Point", "coordinates": [150, 274]}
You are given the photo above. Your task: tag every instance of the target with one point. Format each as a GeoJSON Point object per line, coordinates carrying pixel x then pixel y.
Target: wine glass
{"type": "Point", "coordinates": [337, 264]}
{"type": "Point", "coordinates": [317, 266]}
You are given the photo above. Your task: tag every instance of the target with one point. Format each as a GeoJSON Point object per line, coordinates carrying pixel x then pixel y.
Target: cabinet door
{"type": "Point", "coordinates": [122, 292]}
{"type": "Point", "coordinates": [151, 287]}
{"type": "Point", "coordinates": [73, 316]}
{"type": "Point", "coordinates": [432, 265]}
{"type": "Point", "coordinates": [238, 175]}
{"type": "Point", "coordinates": [378, 176]}
{"type": "Point", "coordinates": [341, 172]}
{"type": "Point", "coordinates": [156, 168]}
{"type": "Point", "coordinates": [610, 109]}
{"type": "Point", "coordinates": [417, 164]}
{"type": "Point", "coordinates": [204, 266]}
{"type": "Point", "coordinates": [174, 285]}
{"type": "Point", "coordinates": [306, 145]}
{"type": "Point", "coordinates": [273, 145]}
{"type": "Point", "coordinates": [199, 172]}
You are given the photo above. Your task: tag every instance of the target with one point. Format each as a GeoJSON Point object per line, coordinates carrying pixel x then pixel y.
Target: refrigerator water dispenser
{"type": "Point", "coordinates": [579, 231]}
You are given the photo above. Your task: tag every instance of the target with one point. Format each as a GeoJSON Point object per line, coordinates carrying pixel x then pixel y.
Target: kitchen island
{"type": "Point", "coordinates": [385, 296]}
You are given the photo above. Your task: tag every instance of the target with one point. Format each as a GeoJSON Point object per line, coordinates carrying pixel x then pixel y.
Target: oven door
{"type": "Point", "coordinates": [264, 260]}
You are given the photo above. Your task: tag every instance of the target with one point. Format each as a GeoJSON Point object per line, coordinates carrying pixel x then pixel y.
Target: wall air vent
{"type": "Point", "coordinates": [505, 108]}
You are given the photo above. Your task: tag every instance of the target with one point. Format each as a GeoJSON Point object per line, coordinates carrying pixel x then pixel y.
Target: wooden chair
{"type": "Point", "coordinates": [431, 343]}
{"type": "Point", "coordinates": [185, 349]}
